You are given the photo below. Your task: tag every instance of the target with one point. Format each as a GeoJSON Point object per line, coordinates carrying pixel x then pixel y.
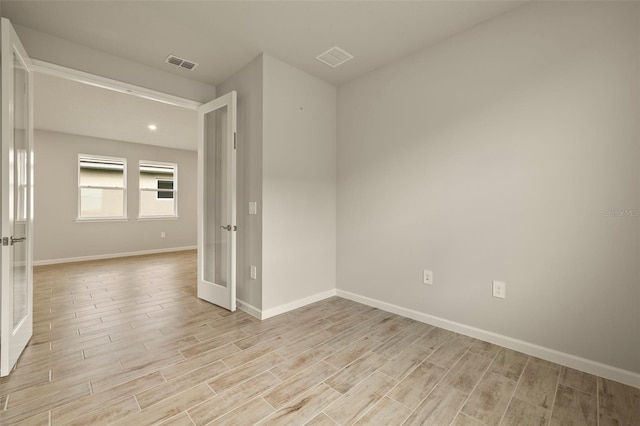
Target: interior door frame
{"type": "Point", "coordinates": [224, 296]}
{"type": "Point", "coordinates": [42, 67]}
{"type": "Point", "coordinates": [71, 74]}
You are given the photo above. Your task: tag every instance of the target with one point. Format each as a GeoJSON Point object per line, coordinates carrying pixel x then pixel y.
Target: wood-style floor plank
{"type": "Point", "coordinates": [127, 342]}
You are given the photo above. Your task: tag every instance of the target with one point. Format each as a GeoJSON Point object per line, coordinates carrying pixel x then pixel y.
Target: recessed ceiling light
{"type": "Point", "coordinates": [152, 127]}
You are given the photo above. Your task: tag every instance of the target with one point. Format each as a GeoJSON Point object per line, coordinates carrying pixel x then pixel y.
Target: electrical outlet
{"type": "Point", "coordinates": [253, 272]}
{"type": "Point", "coordinates": [253, 207]}
{"type": "Point", "coordinates": [163, 234]}
{"type": "Point", "coordinates": [427, 277]}
{"type": "Point", "coordinates": [500, 289]}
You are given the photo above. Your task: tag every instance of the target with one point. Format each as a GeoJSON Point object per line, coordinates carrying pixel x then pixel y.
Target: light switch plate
{"type": "Point", "coordinates": [253, 207]}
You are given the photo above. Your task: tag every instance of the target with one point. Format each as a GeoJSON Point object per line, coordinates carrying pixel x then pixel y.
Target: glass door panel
{"type": "Point", "coordinates": [20, 187]}
{"type": "Point", "coordinates": [216, 199]}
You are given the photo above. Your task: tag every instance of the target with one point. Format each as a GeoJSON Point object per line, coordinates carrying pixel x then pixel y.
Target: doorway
{"type": "Point", "coordinates": [221, 134]}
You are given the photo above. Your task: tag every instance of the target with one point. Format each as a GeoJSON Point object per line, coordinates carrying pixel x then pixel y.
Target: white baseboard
{"type": "Point", "coordinates": [110, 256]}
{"type": "Point", "coordinates": [281, 309]}
{"type": "Point", "coordinates": [613, 373]}
{"type": "Point", "coordinates": [249, 308]}
{"type": "Point", "coordinates": [297, 304]}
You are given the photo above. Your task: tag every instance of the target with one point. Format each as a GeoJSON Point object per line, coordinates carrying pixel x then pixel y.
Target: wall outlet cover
{"type": "Point", "coordinates": [500, 289]}
{"type": "Point", "coordinates": [427, 277]}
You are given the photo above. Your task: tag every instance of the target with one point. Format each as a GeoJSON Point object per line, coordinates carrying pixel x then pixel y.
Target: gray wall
{"type": "Point", "coordinates": [287, 164]}
{"type": "Point", "coordinates": [499, 155]}
{"type": "Point", "coordinates": [248, 83]}
{"type": "Point", "coordinates": [57, 235]}
{"type": "Point", "coordinates": [299, 185]}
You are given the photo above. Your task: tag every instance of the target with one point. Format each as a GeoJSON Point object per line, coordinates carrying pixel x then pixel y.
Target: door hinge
{"type": "Point", "coordinates": [235, 140]}
{"type": "Point", "coordinates": [5, 241]}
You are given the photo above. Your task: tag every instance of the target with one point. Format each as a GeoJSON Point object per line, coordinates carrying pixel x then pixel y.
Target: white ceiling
{"type": "Point", "coordinates": [223, 36]}
{"type": "Point", "coordinates": [66, 106]}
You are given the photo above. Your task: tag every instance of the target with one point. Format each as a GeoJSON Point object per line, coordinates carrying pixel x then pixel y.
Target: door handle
{"type": "Point", "coordinates": [17, 240]}
{"type": "Point", "coordinates": [228, 227]}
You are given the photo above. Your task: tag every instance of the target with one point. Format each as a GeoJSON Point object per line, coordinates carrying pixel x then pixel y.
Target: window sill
{"type": "Point", "coordinates": [145, 218]}
{"type": "Point", "coordinates": [102, 219]}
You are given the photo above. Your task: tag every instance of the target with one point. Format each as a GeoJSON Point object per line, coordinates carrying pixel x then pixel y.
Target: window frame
{"type": "Point", "coordinates": [90, 157]}
{"type": "Point", "coordinates": [156, 190]}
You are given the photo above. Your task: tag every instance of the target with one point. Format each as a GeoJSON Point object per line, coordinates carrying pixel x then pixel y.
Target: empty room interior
{"type": "Point", "coordinates": [320, 213]}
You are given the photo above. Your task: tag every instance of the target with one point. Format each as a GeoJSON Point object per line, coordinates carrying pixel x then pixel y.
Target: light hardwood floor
{"type": "Point", "coordinates": [126, 341]}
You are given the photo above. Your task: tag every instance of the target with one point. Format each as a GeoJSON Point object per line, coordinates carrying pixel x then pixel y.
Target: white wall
{"type": "Point", "coordinates": [57, 235]}
{"type": "Point", "coordinates": [299, 186]}
{"type": "Point", "coordinates": [496, 155]}
{"type": "Point", "coordinates": [248, 83]}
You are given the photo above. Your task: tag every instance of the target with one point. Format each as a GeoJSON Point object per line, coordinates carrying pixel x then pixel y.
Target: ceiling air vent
{"type": "Point", "coordinates": [179, 62]}
{"type": "Point", "coordinates": [334, 57]}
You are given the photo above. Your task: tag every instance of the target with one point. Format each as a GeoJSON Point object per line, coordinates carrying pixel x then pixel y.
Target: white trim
{"type": "Point", "coordinates": [111, 256]}
{"type": "Point", "coordinates": [109, 84]}
{"type": "Point", "coordinates": [576, 362]}
{"type": "Point", "coordinates": [272, 312]}
{"type": "Point", "coordinates": [249, 308]}
{"type": "Point", "coordinates": [101, 219]}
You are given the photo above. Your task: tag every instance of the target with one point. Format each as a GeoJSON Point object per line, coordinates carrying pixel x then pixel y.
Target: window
{"type": "Point", "coordinates": [158, 189]}
{"type": "Point", "coordinates": [101, 187]}
{"type": "Point", "coordinates": [164, 184]}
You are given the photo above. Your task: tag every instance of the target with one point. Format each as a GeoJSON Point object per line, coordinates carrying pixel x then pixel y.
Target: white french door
{"type": "Point", "coordinates": [217, 201]}
{"type": "Point", "coordinates": [16, 295]}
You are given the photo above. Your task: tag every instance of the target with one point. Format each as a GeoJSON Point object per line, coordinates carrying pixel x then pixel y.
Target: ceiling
{"type": "Point", "coordinates": [66, 106]}
{"type": "Point", "coordinates": [223, 36]}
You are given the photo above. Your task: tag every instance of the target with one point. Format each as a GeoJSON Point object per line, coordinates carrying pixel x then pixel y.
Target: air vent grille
{"type": "Point", "coordinates": [180, 62]}
{"type": "Point", "coordinates": [188, 65]}
{"type": "Point", "coordinates": [334, 57]}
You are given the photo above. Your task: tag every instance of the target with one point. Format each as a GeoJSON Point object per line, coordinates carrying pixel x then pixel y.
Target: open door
{"type": "Point", "coordinates": [217, 201]}
{"type": "Point", "coordinates": [16, 168]}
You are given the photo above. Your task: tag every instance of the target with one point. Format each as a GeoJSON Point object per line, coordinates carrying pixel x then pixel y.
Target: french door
{"type": "Point", "coordinates": [217, 201]}
{"type": "Point", "coordinates": [16, 169]}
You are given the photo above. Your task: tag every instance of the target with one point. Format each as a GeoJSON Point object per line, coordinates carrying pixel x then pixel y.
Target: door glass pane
{"type": "Point", "coordinates": [216, 239]}
{"type": "Point", "coordinates": [20, 197]}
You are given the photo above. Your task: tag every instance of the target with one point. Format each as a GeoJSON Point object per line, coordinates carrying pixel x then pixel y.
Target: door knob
{"type": "Point", "coordinates": [228, 227]}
